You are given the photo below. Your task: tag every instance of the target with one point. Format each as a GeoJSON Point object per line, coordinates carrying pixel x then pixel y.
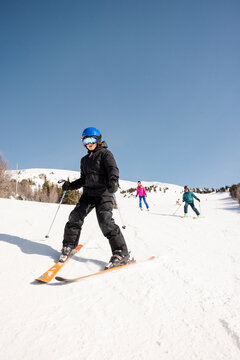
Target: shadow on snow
{"type": "Point", "coordinates": [154, 213]}
{"type": "Point", "coordinates": [30, 247]}
{"type": "Point", "coordinates": [229, 205]}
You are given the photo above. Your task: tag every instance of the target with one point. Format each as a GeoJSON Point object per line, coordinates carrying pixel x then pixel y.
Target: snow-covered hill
{"type": "Point", "coordinates": [184, 305]}
{"type": "Point", "coordinates": [38, 176]}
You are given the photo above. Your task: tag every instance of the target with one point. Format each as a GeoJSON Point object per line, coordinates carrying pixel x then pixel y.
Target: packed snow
{"type": "Point", "coordinates": [184, 305]}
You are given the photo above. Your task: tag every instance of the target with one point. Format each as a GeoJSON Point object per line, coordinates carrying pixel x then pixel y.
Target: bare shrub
{"type": "Point", "coordinates": [5, 191]}
{"type": "Point", "coordinates": [235, 192]}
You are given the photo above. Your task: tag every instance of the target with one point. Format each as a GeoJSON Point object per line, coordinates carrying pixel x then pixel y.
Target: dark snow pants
{"type": "Point", "coordinates": [192, 206]}
{"type": "Point", "coordinates": [104, 207]}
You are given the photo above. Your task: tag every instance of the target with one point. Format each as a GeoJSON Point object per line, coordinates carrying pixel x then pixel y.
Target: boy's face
{"type": "Point", "coordinates": [91, 147]}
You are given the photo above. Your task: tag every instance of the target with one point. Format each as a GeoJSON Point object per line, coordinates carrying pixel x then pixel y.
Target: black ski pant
{"type": "Point", "coordinates": [192, 206]}
{"type": "Point", "coordinates": [104, 207]}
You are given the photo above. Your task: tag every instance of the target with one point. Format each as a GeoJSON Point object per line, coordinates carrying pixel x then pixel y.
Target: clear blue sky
{"type": "Point", "coordinates": [160, 79]}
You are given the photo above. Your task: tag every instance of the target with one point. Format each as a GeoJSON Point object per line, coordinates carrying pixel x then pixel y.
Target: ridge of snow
{"type": "Point", "coordinates": [53, 175]}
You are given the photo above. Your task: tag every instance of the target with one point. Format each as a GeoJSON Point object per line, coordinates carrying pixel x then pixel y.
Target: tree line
{"type": "Point", "coordinates": [28, 190]}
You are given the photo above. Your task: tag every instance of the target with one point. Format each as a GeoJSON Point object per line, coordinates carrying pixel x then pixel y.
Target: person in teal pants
{"type": "Point", "coordinates": [188, 197]}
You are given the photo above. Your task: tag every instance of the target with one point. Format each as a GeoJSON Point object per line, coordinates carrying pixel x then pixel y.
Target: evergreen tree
{"type": "Point", "coordinates": [71, 197]}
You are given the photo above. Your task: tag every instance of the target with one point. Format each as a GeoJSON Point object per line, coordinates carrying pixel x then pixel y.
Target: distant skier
{"type": "Point", "coordinates": [99, 179]}
{"type": "Point", "coordinates": [188, 199]}
{"type": "Point", "coordinates": [141, 192]}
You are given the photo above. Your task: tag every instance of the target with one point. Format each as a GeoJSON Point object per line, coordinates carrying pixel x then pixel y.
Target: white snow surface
{"type": "Point", "coordinates": [184, 305]}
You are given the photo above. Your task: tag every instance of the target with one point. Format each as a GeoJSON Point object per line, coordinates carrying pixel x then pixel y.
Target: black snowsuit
{"type": "Point", "coordinates": [99, 174]}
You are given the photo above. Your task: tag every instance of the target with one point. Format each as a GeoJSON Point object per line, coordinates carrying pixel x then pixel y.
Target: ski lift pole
{"type": "Point", "coordinates": [120, 215]}
{"type": "Point", "coordinates": [47, 236]}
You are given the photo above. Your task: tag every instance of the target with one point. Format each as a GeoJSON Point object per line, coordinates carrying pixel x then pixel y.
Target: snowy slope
{"type": "Point", "coordinates": [182, 306]}
{"type": "Point", "coordinates": [38, 175]}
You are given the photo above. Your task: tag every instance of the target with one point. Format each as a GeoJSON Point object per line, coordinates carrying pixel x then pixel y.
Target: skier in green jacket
{"type": "Point", "coordinates": [188, 199]}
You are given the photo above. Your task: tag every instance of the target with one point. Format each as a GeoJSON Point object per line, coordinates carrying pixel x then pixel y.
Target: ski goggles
{"type": "Point", "coordinates": [89, 140]}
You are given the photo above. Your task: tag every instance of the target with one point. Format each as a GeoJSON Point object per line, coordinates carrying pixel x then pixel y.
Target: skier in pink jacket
{"type": "Point", "coordinates": [141, 192]}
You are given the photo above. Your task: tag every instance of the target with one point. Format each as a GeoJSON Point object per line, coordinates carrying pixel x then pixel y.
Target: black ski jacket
{"type": "Point", "coordinates": [98, 169]}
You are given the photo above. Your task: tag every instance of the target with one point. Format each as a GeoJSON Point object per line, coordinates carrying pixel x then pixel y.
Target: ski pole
{"type": "Point", "coordinates": [200, 208]}
{"type": "Point", "coordinates": [123, 226]}
{"type": "Point", "coordinates": [177, 209]}
{"type": "Point", "coordinates": [47, 236]}
{"type": "Point", "coordinates": [149, 201]}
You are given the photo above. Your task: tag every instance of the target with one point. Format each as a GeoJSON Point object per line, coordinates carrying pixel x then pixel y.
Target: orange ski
{"type": "Point", "coordinates": [49, 274]}
{"type": "Point", "coordinates": [67, 280]}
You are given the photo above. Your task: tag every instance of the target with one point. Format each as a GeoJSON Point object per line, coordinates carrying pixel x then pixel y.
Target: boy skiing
{"type": "Point", "coordinates": [188, 199]}
{"type": "Point", "coordinates": [99, 179]}
{"type": "Point", "coordinates": [141, 192]}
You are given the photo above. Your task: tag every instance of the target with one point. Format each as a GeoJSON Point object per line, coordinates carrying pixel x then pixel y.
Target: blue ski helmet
{"type": "Point", "coordinates": [91, 131]}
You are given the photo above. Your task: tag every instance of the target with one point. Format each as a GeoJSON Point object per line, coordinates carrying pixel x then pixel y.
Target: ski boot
{"type": "Point", "coordinates": [66, 252]}
{"type": "Point", "coordinates": [118, 259]}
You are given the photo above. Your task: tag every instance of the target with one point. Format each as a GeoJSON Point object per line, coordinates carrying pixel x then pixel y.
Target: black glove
{"type": "Point", "coordinates": [199, 200]}
{"type": "Point", "coordinates": [112, 186]}
{"type": "Point", "coordinates": [66, 186]}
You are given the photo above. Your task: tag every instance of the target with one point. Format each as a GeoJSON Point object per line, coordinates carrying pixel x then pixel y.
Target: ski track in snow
{"type": "Point", "coordinates": [183, 305]}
